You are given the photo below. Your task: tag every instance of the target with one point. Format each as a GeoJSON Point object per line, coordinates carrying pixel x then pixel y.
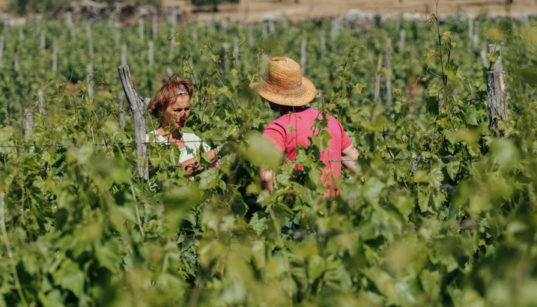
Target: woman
{"type": "Point", "coordinates": [288, 93]}
{"type": "Point", "coordinates": [171, 106]}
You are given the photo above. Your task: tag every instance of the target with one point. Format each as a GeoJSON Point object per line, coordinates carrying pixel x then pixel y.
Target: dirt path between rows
{"type": "Point", "coordinates": [255, 10]}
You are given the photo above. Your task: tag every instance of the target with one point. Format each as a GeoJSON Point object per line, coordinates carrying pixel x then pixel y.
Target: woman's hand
{"type": "Point", "coordinates": [191, 166]}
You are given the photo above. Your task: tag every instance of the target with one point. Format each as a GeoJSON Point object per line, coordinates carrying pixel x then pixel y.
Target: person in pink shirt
{"type": "Point", "coordinates": [288, 92]}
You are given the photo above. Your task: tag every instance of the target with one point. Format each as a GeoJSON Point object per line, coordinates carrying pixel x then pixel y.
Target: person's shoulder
{"type": "Point", "coordinates": [154, 136]}
{"type": "Point", "coordinates": [189, 136]}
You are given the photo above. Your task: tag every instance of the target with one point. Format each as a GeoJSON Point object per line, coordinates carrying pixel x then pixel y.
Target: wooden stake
{"type": "Point", "coordinates": [89, 77]}
{"type": "Point", "coordinates": [54, 57]}
{"type": "Point", "coordinates": [150, 54]}
{"type": "Point", "coordinates": [123, 55]}
{"type": "Point", "coordinates": [120, 105]}
{"type": "Point", "coordinates": [1, 50]}
{"type": "Point", "coordinates": [172, 40]}
{"type": "Point", "coordinates": [265, 30]}
{"type": "Point", "coordinates": [141, 29]}
{"type": "Point", "coordinates": [28, 121]}
{"type": "Point", "coordinates": [41, 99]}
{"type": "Point", "coordinates": [21, 32]}
{"type": "Point", "coordinates": [402, 39]}
{"type": "Point", "coordinates": [69, 22]}
{"type": "Point", "coordinates": [470, 28]}
{"type": "Point", "coordinates": [335, 27]}
{"type": "Point", "coordinates": [191, 66]}
{"type": "Point", "coordinates": [42, 41]}
{"type": "Point", "coordinates": [271, 27]}
{"type": "Point", "coordinates": [90, 41]}
{"type": "Point", "coordinates": [117, 38]}
{"type": "Point", "coordinates": [323, 43]}
{"type": "Point", "coordinates": [475, 38]}
{"type": "Point", "coordinates": [194, 33]}
{"type": "Point", "coordinates": [484, 57]}
{"type": "Point", "coordinates": [388, 72]}
{"type": "Point", "coordinates": [496, 91]}
{"type": "Point", "coordinates": [236, 50]}
{"type": "Point", "coordinates": [138, 106]}
{"type": "Point", "coordinates": [223, 52]}
{"type": "Point", "coordinates": [16, 64]}
{"type": "Point", "coordinates": [378, 79]}
{"type": "Point", "coordinates": [250, 36]}
{"type": "Point", "coordinates": [285, 20]}
{"type": "Point", "coordinates": [303, 56]}
{"type": "Point", "coordinates": [173, 17]}
{"type": "Point", "coordinates": [154, 27]}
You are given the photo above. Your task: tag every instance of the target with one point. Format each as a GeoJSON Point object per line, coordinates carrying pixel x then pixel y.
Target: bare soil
{"type": "Point", "coordinates": [256, 10]}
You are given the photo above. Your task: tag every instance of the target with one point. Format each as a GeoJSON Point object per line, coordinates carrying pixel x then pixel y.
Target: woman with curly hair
{"type": "Point", "coordinates": [171, 106]}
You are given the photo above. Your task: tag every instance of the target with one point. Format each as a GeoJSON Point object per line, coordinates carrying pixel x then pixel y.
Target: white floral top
{"type": "Point", "coordinates": [192, 143]}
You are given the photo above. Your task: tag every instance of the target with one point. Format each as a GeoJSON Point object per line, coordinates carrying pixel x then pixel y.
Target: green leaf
{"type": "Point", "coordinates": [262, 152]}
{"type": "Point", "coordinates": [70, 277]}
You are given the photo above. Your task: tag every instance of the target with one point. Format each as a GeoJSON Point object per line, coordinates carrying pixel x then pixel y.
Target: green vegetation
{"type": "Point", "coordinates": [442, 212]}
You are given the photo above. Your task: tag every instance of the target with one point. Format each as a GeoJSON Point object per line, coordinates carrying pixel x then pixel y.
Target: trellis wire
{"type": "Point", "coordinates": [110, 144]}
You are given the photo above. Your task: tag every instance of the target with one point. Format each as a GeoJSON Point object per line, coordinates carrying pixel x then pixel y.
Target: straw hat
{"type": "Point", "coordinates": [283, 84]}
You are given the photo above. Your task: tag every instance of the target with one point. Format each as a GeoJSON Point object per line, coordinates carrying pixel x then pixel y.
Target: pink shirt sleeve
{"type": "Point", "coordinates": [276, 134]}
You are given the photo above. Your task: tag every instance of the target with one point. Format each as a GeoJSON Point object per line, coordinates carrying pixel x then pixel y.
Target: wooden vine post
{"type": "Point", "coordinates": [388, 72]}
{"type": "Point", "coordinates": [89, 78]}
{"type": "Point", "coordinates": [54, 57]}
{"type": "Point", "coordinates": [138, 106]}
{"type": "Point", "coordinates": [402, 39]}
{"type": "Point", "coordinates": [223, 53]}
{"type": "Point", "coordinates": [378, 77]}
{"type": "Point", "coordinates": [303, 55]}
{"type": "Point", "coordinates": [41, 99]}
{"type": "Point", "coordinates": [28, 121]}
{"type": "Point", "coordinates": [236, 50]}
{"type": "Point", "coordinates": [323, 43]}
{"type": "Point", "coordinates": [141, 29]}
{"type": "Point", "coordinates": [1, 49]}
{"type": "Point", "coordinates": [496, 91]}
{"type": "Point", "coordinates": [42, 42]}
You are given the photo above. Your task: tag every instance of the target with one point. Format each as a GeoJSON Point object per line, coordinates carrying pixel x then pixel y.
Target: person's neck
{"type": "Point", "coordinates": [169, 134]}
{"type": "Point", "coordinates": [285, 109]}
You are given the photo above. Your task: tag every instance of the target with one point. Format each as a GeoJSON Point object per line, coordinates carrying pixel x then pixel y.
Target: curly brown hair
{"type": "Point", "coordinates": [169, 90]}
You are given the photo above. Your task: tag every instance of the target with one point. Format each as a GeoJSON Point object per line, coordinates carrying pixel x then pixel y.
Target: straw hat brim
{"type": "Point", "coordinates": [294, 97]}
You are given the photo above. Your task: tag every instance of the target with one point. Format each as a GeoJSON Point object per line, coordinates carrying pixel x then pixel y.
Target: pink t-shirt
{"type": "Point", "coordinates": [294, 129]}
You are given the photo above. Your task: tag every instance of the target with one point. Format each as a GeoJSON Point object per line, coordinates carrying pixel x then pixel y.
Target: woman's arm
{"type": "Point", "coordinates": [267, 180]}
{"type": "Point", "coordinates": [349, 156]}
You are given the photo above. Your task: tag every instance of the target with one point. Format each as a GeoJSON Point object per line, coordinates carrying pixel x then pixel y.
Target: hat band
{"type": "Point", "coordinates": [290, 86]}
{"type": "Point", "coordinates": [277, 89]}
